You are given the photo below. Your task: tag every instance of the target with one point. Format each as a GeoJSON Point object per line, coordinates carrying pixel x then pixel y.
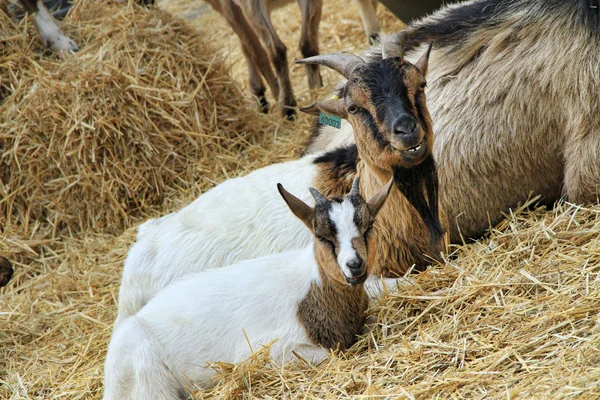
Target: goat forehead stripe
{"type": "Point", "coordinates": [342, 216]}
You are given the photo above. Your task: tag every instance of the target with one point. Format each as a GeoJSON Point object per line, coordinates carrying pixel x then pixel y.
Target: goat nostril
{"type": "Point", "coordinates": [355, 264]}
{"type": "Point", "coordinates": [405, 126]}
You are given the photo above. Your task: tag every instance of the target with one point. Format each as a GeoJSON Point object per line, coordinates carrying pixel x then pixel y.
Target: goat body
{"type": "Point", "coordinates": [217, 315]}
{"type": "Point", "coordinates": [239, 219]}
{"type": "Point", "coordinates": [305, 301]}
{"type": "Point", "coordinates": [513, 91]}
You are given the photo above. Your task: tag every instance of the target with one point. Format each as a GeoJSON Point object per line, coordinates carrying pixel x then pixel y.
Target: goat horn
{"type": "Point", "coordinates": [355, 187]}
{"type": "Point", "coordinates": [344, 63]}
{"type": "Point", "coordinates": [393, 45]}
{"type": "Point", "coordinates": [319, 198]}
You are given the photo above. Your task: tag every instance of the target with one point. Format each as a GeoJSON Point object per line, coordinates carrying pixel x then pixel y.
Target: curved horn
{"type": "Point", "coordinates": [393, 45]}
{"type": "Point", "coordinates": [344, 63]}
{"type": "Point", "coordinates": [319, 198]}
{"type": "Point", "coordinates": [355, 191]}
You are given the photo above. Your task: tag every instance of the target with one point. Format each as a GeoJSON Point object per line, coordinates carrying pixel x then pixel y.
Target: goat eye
{"type": "Point", "coordinates": [353, 109]}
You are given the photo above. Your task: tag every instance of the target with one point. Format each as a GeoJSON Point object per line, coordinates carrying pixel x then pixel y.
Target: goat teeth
{"type": "Point", "coordinates": [418, 147]}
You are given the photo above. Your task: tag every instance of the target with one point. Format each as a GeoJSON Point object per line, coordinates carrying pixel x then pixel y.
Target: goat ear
{"type": "Point", "coordinates": [423, 62]}
{"type": "Point", "coordinates": [378, 199]}
{"type": "Point", "coordinates": [303, 211]}
{"type": "Point", "coordinates": [333, 107]}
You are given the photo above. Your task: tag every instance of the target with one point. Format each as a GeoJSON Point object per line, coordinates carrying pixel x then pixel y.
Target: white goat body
{"type": "Point", "coordinates": [239, 219]}
{"type": "Point", "coordinates": [215, 315]}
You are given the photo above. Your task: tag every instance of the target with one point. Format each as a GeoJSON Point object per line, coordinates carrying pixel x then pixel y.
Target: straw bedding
{"type": "Point", "coordinates": [150, 113]}
{"type": "Point", "coordinates": [94, 140]}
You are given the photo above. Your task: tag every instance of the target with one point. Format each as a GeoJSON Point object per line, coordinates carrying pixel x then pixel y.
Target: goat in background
{"type": "Point", "coordinates": [251, 21]}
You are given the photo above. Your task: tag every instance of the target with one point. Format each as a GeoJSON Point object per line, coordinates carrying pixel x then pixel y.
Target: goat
{"type": "Point", "coordinates": [47, 28]}
{"type": "Point", "coordinates": [250, 20]}
{"type": "Point", "coordinates": [309, 300]}
{"type": "Point", "coordinates": [6, 271]}
{"type": "Point", "coordinates": [49, 31]}
{"type": "Point", "coordinates": [513, 88]}
{"type": "Point", "coordinates": [241, 218]}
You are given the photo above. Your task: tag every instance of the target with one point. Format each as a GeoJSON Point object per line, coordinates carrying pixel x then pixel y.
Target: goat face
{"type": "Point", "coordinates": [384, 101]}
{"type": "Point", "coordinates": [341, 227]}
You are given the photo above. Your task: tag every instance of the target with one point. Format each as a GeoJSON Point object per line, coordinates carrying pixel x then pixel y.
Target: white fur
{"type": "Point", "coordinates": [50, 32]}
{"type": "Point", "coordinates": [239, 219]}
{"type": "Point", "coordinates": [341, 215]}
{"type": "Point", "coordinates": [211, 316]}
{"type": "Point", "coordinates": [217, 315]}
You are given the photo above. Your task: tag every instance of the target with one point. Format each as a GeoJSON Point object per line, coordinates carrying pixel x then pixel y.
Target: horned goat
{"type": "Point", "coordinates": [513, 91]}
{"type": "Point", "coordinates": [251, 21]}
{"type": "Point", "coordinates": [309, 300]}
{"type": "Point", "coordinates": [242, 218]}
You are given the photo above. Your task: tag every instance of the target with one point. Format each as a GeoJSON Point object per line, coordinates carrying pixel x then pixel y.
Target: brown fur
{"type": "Point", "coordinates": [514, 98]}
{"type": "Point", "coordinates": [6, 271]}
{"type": "Point", "coordinates": [333, 313]}
{"type": "Point", "coordinates": [400, 237]}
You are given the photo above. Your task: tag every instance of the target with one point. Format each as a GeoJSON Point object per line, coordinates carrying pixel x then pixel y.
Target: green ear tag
{"type": "Point", "coordinates": [330, 120]}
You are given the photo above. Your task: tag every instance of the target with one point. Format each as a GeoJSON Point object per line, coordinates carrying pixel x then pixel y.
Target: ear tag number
{"type": "Point", "coordinates": [330, 120]}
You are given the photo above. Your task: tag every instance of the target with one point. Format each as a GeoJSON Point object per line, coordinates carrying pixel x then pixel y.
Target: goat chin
{"type": "Point", "coordinates": [512, 118]}
{"type": "Point", "coordinates": [239, 219]}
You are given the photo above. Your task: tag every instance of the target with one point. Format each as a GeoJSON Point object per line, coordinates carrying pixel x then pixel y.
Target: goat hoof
{"type": "Point", "coordinates": [290, 114]}
{"type": "Point", "coordinates": [264, 104]}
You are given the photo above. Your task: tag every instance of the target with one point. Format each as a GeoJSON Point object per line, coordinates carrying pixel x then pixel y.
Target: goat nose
{"type": "Point", "coordinates": [404, 125]}
{"type": "Point", "coordinates": [355, 265]}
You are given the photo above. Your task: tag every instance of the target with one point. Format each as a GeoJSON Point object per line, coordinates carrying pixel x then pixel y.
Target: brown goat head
{"type": "Point", "coordinates": [341, 226]}
{"type": "Point", "coordinates": [384, 101]}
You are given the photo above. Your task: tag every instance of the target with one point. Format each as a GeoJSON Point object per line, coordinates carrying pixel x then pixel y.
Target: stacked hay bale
{"type": "Point", "coordinates": [90, 142]}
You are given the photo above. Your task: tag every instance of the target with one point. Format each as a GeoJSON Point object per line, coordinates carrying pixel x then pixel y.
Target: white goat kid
{"type": "Point", "coordinates": [309, 300]}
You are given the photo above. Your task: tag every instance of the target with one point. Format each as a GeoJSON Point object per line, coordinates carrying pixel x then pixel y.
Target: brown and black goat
{"type": "Point", "coordinates": [251, 21]}
{"type": "Point", "coordinates": [513, 90]}
{"type": "Point", "coordinates": [385, 103]}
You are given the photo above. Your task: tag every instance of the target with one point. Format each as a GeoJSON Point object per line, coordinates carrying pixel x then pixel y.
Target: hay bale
{"type": "Point", "coordinates": [89, 142]}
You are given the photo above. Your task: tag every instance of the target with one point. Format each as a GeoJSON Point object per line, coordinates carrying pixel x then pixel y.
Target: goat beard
{"type": "Point", "coordinates": [420, 187]}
